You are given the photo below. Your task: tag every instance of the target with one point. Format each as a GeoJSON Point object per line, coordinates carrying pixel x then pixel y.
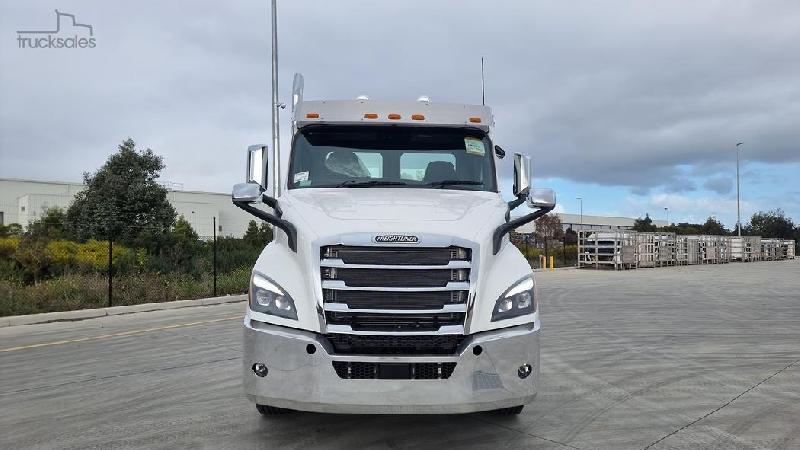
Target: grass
{"type": "Point", "coordinates": [82, 291]}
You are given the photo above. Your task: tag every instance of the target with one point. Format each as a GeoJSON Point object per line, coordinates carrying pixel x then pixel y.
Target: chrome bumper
{"type": "Point", "coordinates": [300, 380]}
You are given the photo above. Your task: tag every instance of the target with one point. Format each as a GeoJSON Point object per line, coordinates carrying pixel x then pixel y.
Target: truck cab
{"type": "Point", "coordinates": [391, 286]}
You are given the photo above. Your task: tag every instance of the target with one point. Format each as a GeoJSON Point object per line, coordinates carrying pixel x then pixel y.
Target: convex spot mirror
{"type": "Point", "coordinates": [542, 198]}
{"type": "Point", "coordinates": [247, 192]}
{"type": "Point", "coordinates": [522, 175]}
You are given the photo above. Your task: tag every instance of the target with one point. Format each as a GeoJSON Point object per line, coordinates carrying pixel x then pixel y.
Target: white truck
{"type": "Point", "coordinates": [391, 286]}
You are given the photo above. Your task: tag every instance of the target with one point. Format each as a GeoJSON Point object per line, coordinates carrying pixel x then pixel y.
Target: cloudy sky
{"type": "Point", "coordinates": [634, 106]}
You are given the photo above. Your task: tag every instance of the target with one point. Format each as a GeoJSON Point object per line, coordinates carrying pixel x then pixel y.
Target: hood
{"type": "Point", "coordinates": [328, 211]}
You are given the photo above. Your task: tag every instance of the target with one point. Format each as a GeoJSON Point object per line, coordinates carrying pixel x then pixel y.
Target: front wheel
{"type": "Point", "coordinates": [514, 410]}
{"type": "Point", "coordinates": [267, 410]}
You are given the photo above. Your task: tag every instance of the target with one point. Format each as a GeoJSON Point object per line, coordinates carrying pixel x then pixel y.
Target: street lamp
{"type": "Point", "coordinates": [666, 208]}
{"type": "Point", "coordinates": [738, 210]}
{"type": "Point", "coordinates": [580, 199]}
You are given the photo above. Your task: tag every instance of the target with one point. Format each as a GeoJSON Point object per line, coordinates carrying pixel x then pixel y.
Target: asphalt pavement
{"type": "Point", "coordinates": [686, 357]}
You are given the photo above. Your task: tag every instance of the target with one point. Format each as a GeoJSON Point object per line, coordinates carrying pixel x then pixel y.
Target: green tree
{"type": "Point", "coordinates": [251, 235]}
{"type": "Point", "coordinates": [714, 227]}
{"type": "Point", "coordinates": [645, 224]}
{"type": "Point", "coordinates": [32, 257]}
{"type": "Point", "coordinates": [770, 224]}
{"type": "Point", "coordinates": [570, 237]}
{"type": "Point", "coordinates": [122, 200]}
{"type": "Point", "coordinates": [256, 236]}
{"type": "Point", "coordinates": [51, 225]}
{"type": "Point", "coordinates": [12, 229]}
{"type": "Point", "coordinates": [181, 249]}
{"type": "Point", "coordinates": [683, 228]}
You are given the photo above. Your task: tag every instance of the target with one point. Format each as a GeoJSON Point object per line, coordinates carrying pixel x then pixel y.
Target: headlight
{"type": "Point", "coordinates": [268, 298]}
{"type": "Point", "coordinates": [518, 300]}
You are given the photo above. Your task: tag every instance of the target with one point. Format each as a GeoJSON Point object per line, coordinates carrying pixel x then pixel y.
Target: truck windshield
{"type": "Point", "coordinates": [392, 156]}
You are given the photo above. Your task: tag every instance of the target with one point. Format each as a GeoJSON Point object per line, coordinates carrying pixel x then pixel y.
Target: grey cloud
{"type": "Point", "coordinates": [615, 93]}
{"type": "Point", "coordinates": [721, 185]}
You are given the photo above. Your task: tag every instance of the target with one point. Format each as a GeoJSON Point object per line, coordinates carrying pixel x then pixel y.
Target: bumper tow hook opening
{"type": "Point", "coordinates": [311, 349]}
{"type": "Point", "coordinates": [524, 371]}
{"type": "Point", "coordinates": [260, 369]}
{"type": "Point", "coordinates": [477, 350]}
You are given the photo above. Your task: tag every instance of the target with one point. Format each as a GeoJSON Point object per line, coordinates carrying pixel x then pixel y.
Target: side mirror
{"type": "Point", "coordinates": [522, 175]}
{"type": "Point", "coordinates": [247, 192]}
{"type": "Point", "coordinates": [257, 165]}
{"type": "Point", "coordinates": [542, 198]}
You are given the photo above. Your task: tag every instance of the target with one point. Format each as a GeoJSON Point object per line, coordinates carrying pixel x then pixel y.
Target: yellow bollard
{"type": "Point", "coordinates": [552, 265]}
{"type": "Point", "coordinates": [542, 262]}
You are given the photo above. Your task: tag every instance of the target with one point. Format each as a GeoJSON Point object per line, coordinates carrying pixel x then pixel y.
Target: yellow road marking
{"type": "Point", "coordinates": [121, 334]}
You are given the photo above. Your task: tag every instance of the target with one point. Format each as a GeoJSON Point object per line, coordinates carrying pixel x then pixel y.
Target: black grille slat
{"type": "Point", "coordinates": [394, 322]}
{"type": "Point", "coordinates": [396, 300]}
{"type": "Point", "coordinates": [409, 371]}
{"type": "Point", "coordinates": [354, 344]}
{"type": "Point", "coordinates": [395, 255]}
{"type": "Point", "coordinates": [394, 277]}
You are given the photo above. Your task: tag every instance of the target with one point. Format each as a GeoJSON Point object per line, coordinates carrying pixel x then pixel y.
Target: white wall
{"type": "Point", "coordinates": [23, 201]}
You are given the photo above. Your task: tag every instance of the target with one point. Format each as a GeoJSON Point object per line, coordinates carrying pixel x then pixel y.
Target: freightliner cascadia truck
{"type": "Point", "coordinates": [391, 286]}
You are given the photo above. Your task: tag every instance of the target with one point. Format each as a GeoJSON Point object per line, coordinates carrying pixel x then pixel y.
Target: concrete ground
{"type": "Point", "coordinates": [690, 357]}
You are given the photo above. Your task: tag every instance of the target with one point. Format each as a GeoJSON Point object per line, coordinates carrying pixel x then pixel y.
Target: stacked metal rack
{"type": "Point", "coordinates": [687, 250]}
{"type": "Point", "coordinates": [746, 248]}
{"type": "Point", "coordinates": [787, 249]}
{"type": "Point", "coordinates": [612, 249]}
{"type": "Point", "coordinates": [770, 249]}
{"type": "Point", "coordinates": [622, 249]}
{"type": "Point", "coordinates": [646, 249]}
{"type": "Point", "coordinates": [714, 249]}
{"type": "Point", "coordinates": [725, 245]}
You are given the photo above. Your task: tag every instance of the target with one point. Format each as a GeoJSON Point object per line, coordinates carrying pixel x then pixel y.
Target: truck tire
{"type": "Point", "coordinates": [514, 410]}
{"type": "Point", "coordinates": [267, 410]}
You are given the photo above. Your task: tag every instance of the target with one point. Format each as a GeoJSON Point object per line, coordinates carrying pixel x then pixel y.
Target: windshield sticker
{"type": "Point", "coordinates": [299, 177]}
{"type": "Point", "coordinates": [474, 146]}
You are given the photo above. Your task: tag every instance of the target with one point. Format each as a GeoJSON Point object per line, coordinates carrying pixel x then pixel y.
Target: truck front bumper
{"type": "Point", "coordinates": [299, 379]}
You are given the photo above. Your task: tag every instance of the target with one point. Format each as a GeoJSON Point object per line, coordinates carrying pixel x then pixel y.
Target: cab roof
{"type": "Point", "coordinates": [419, 113]}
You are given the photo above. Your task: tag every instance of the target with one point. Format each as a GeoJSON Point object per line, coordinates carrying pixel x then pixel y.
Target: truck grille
{"type": "Point", "coordinates": [347, 344]}
{"type": "Point", "coordinates": [394, 277]}
{"type": "Point", "coordinates": [393, 322]}
{"type": "Point", "coordinates": [390, 291]}
{"type": "Point", "coordinates": [396, 300]}
{"type": "Point", "coordinates": [396, 255]}
{"type": "Point", "coordinates": [393, 371]}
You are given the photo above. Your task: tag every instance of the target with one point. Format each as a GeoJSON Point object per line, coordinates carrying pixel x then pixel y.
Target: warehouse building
{"type": "Point", "coordinates": [587, 222]}
{"type": "Point", "coordinates": [23, 201]}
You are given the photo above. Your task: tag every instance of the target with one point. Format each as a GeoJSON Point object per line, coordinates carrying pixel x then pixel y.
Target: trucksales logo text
{"type": "Point", "coordinates": [396, 239]}
{"type": "Point", "coordinates": [80, 35]}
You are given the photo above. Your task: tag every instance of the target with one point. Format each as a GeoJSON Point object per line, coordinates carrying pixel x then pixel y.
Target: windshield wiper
{"type": "Point", "coordinates": [369, 183]}
{"type": "Point", "coordinates": [443, 183]}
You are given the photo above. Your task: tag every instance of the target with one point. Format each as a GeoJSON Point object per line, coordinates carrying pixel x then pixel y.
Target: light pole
{"type": "Point", "coordinates": [738, 210]}
{"type": "Point", "coordinates": [580, 199]}
{"type": "Point", "coordinates": [666, 208]}
{"type": "Point", "coordinates": [276, 105]}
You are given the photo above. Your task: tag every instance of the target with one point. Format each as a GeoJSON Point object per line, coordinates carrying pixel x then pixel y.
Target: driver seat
{"type": "Point", "coordinates": [439, 171]}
